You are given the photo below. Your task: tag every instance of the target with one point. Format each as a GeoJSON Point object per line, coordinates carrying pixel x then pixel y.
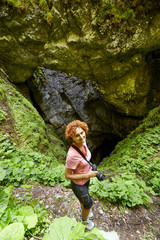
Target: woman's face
{"type": "Point", "coordinates": [79, 137]}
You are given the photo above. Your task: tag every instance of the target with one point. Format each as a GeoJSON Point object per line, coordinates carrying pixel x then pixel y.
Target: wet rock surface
{"type": "Point", "coordinates": [63, 98]}
{"type": "Point", "coordinates": [131, 224]}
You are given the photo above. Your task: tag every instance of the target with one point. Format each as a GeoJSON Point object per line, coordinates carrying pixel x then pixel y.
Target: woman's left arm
{"type": "Point", "coordinates": [70, 176]}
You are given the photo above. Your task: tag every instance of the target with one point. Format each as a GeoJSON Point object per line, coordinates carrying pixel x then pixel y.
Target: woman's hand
{"type": "Point", "coordinates": [91, 174]}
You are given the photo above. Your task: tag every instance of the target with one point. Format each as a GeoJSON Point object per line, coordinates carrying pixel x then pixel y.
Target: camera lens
{"type": "Point", "coordinates": [100, 176]}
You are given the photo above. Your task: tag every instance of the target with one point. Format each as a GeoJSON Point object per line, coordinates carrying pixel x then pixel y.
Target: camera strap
{"type": "Point", "coordinates": [78, 150]}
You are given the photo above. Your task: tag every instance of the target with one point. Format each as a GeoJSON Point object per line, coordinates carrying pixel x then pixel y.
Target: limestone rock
{"type": "Point", "coordinates": [63, 98]}
{"type": "Point", "coordinates": [112, 44]}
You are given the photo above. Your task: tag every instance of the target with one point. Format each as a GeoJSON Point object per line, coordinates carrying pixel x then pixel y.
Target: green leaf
{"type": "Point", "coordinates": [5, 219]}
{"type": "Point", "coordinates": [95, 234]}
{"type": "Point", "coordinates": [26, 186]}
{"type": "Point", "coordinates": [3, 201]}
{"type": "Point", "coordinates": [77, 231]}
{"type": "Point", "coordinates": [14, 231]}
{"type": "Point", "coordinates": [61, 228]}
{"type": "Point", "coordinates": [2, 174]}
{"type": "Point", "coordinates": [27, 216]}
{"type": "Point", "coordinates": [66, 228]}
{"type": "Point", "coordinates": [26, 211]}
{"type": "Point", "coordinates": [9, 190]}
{"type": "Point", "coordinates": [30, 221]}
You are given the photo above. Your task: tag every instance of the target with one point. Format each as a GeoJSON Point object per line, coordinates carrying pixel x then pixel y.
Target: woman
{"type": "Point", "coordinates": [78, 170]}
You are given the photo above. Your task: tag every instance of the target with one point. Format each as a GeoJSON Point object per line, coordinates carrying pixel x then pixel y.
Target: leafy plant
{"type": "Point", "coordinates": [3, 115]}
{"type": "Point", "coordinates": [21, 221]}
{"type": "Point", "coordinates": [4, 198]}
{"type": "Point", "coordinates": [139, 153]}
{"type": "Point", "coordinates": [12, 211]}
{"type": "Point", "coordinates": [68, 229]}
{"type": "Point", "coordinates": [19, 165]}
{"type": "Point", "coordinates": [126, 189]}
{"type": "Point", "coordinates": [14, 231]}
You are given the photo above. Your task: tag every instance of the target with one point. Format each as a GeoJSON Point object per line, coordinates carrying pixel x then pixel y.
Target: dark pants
{"type": "Point", "coordinates": [82, 193]}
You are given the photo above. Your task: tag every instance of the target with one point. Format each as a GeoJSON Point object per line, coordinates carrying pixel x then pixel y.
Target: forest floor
{"type": "Point", "coordinates": [137, 223]}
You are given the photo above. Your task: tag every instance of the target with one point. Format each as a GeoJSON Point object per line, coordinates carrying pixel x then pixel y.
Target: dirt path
{"type": "Point", "coordinates": [132, 224]}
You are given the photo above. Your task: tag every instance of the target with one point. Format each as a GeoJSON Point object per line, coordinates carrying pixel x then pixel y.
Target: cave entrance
{"type": "Point", "coordinates": [104, 150]}
{"type": "Point", "coordinates": [153, 61]}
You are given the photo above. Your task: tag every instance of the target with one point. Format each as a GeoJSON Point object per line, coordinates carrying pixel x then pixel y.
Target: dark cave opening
{"type": "Point", "coordinates": [153, 61]}
{"type": "Point", "coordinates": [36, 106]}
{"type": "Point", "coordinates": [98, 154]}
{"type": "Point", "coordinates": [105, 149]}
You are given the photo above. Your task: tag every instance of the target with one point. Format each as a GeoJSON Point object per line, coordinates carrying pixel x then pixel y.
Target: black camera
{"type": "Point", "coordinates": [100, 176]}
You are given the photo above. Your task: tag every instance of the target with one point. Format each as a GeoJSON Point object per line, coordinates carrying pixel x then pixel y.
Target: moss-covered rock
{"type": "Point", "coordinates": [107, 42]}
{"type": "Point", "coordinates": [21, 123]}
{"type": "Point", "coordinates": [75, 41]}
{"type": "Point", "coordinates": [129, 94]}
{"type": "Point", "coordinates": [139, 153]}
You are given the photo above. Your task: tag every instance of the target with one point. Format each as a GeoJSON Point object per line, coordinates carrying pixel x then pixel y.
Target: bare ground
{"type": "Point", "coordinates": [137, 223]}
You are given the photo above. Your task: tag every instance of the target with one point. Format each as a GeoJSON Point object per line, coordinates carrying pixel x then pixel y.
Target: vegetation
{"type": "Point", "coordinates": [45, 6]}
{"type": "Point", "coordinates": [134, 165]}
{"type": "Point", "coordinates": [3, 115]}
{"type": "Point", "coordinates": [31, 152]}
{"type": "Point", "coordinates": [22, 221]}
{"type": "Point", "coordinates": [123, 13]}
{"type": "Point", "coordinates": [20, 165]}
{"type": "Point", "coordinates": [19, 218]}
{"type": "Point", "coordinates": [115, 12]}
{"type": "Point", "coordinates": [109, 10]}
{"type": "Point", "coordinates": [66, 228]}
{"type": "Point", "coordinates": [22, 124]}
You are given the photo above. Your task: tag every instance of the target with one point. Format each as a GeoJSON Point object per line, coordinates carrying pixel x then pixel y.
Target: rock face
{"type": "Point", "coordinates": [63, 98]}
{"type": "Point", "coordinates": [108, 50]}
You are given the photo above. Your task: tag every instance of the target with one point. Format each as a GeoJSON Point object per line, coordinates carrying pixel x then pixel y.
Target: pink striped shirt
{"type": "Point", "coordinates": [78, 164]}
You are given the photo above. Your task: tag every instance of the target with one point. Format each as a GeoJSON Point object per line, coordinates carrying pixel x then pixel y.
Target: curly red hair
{"type": "Point", "coordinates": [72, 126]}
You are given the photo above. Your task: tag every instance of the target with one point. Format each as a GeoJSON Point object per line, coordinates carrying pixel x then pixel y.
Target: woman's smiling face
{"type": "Point", "coordinates": [79, 137]}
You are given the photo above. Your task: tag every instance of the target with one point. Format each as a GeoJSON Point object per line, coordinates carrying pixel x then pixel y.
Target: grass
{"type": "Point", "coordinates": [139, 153]}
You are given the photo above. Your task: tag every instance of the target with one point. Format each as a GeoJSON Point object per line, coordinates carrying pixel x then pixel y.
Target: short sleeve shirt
{"type": "Point", "coordinates": [78, 164]}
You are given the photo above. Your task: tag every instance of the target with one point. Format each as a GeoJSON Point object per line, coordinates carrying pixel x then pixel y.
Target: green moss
{"type": "Point", "coordinates": [116, 12]}
{"type": "Point", "coordinates": [3, 115]}
{"type": "Point", "coordinates": [19, 4]}
{"type": "Point", "coordinates": [44, 5]}
{"type": "Point", "coordinates": [139, 153]}
{"type": "Point", "coordinates": [127, 14]}
{"type": "Point", "coordinates": [31, 131]}
{"type": "Point", "coordinates": [1, 93]}
{"type": "Point", "coordinates": [112, 11]}
{"type": "Point", "coordinates": [48, 17]}
{"type": "Point", "coordinates": [39, 76]}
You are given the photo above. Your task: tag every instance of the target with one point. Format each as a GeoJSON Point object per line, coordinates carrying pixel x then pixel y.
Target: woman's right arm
{"type": "Point", "coordinates": [70, 176]}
